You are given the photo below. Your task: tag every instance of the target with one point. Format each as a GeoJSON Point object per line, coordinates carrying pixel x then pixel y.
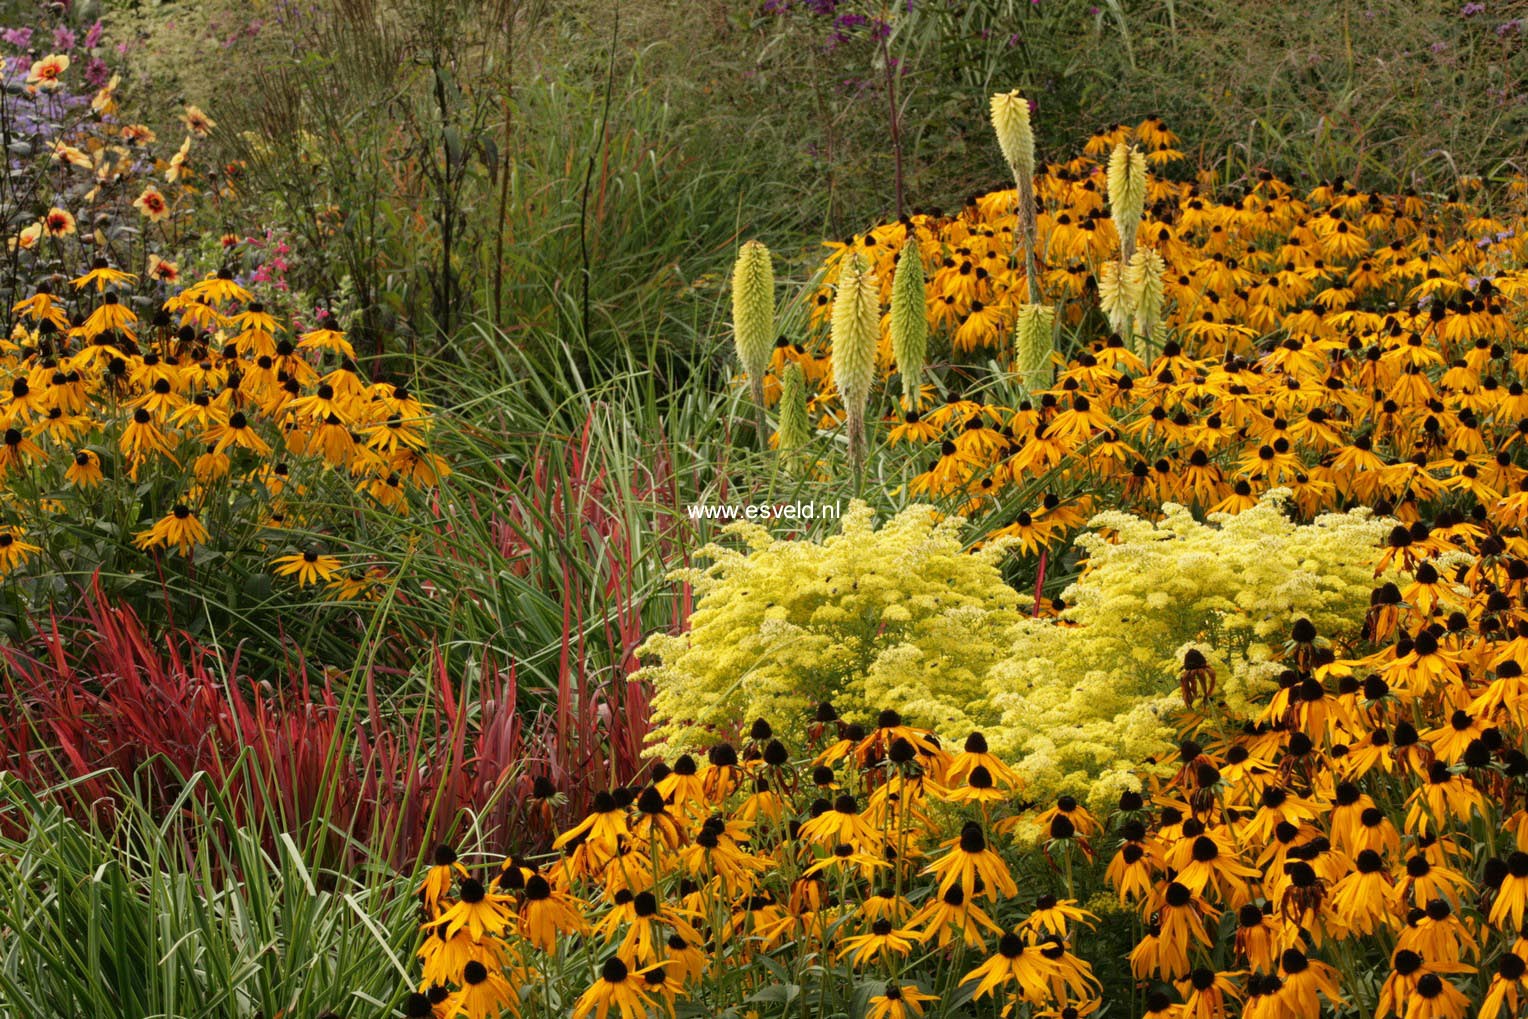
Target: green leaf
{"type": "Point", "coordinates": [777, 994]}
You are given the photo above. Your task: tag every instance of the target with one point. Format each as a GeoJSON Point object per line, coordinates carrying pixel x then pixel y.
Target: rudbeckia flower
{"type": "Point", "coordinates": [179, 528]}
{"type": "Point", "coordinates": [485, 994]}
{"type": "Point", "coordinates": [308, 567]}
{"type": "Point", "coordinates": [898, 1001]}
{"type": "Point", "coordinates": [84, 470]}
{"type": "Point", "coordinates": [617, 988]}
{"type": "Point", "coordinates": [13, 551]}
{"type": "Point", "coordinates": [967, 861]}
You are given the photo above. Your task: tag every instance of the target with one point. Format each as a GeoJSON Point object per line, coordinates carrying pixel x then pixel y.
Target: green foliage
{"type": "Point", "coordinates": [191, 917]}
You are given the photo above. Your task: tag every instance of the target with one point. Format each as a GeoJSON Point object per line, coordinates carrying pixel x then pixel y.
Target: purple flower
{"type": "Point", "coordinates": [1013, 40]}
{"type": "Point", "coordinates": [851, 21]}
{"type": "Point", "coordinates": [880, 29]}
{"type": "Point", "coordinates": [1438, 47]}
{"type": "Point", "coordinates": [63, 40]}
{"type": "Point", "coordinates": [20, 38]}
{"type": "Point", "coordinates": [96, 72]}
{"type": "Point", "coordinates": [93, 37]}
{"type": "Point", "coordinates": [1471, 9]}
{"type": "Point", "coordinates": [1510, 27]}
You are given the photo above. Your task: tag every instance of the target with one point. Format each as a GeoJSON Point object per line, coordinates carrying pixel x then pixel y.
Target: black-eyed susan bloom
{"type": "Point", "coordinates": [951, 915]}
{"type": "Point", "coordinates": [179, 529]}
{"type": "Point", "coordinates": [546, 913]}
{"type": "Point", "coordinates": [898, 1001]}
{"type": "Point", "coordinates": [84, 469]}
{"type": "Point", "coordinates": [13, 551]}
{"type": "Point", "coordinates": [17, 450]}
{"type": "Point", "coordinates": [882, 940]}
{"type": "Point", "coordinates": [1019, 962]}
{"type": "Point", "coordinates": [618, 988]}
{"type": "Point", "coordinates": [485, 994]}
{"type": "Point", "coordinates": [477, 910]}
{"type": "Point", "coordinates": [969, 862]}
{"type": "Point", "coordinates": [102, 275]}
{"type": "Point", "coordinates": [445, 868]}
{"type": "Point", "coordinates": [1509, 988]}
{"type": "Point", "coordinates": [309, 567]}
{"type": "Point", "coordinates": [443, 958]}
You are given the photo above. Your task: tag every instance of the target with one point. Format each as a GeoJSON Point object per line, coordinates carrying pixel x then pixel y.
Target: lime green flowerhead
{"type": "Point", "coordinates": [856, 332]}
{"type": "Point", "coordinates": [868, 617]}
{"type": "Point", "coordinates": [909, 318]}
{"type": "Point", "coordinates": [1015, 136]}
{"type": "Point", "coordinates": [753, 308]}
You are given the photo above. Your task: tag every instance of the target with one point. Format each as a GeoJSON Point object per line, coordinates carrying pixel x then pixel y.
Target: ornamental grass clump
{"type": "Point", "coordinates": [1085, 698]}
{"type": "Point", "coordinates": [897, 614]}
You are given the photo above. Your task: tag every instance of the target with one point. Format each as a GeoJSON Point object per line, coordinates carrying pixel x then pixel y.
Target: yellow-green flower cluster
{"type": "Point", "coordinates": [898, 616]}
{"type": "Point", "coordinates": [1085, 698]}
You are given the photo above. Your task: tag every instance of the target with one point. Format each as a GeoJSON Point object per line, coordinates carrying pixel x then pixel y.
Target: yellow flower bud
{"type": "Point", "coordinates": [909, 318]}
{"type": "Point", "coordinates": [1033, 345]}
{"type": "Point", "coordinates": [1143, 281]}
{"type": "Point", "coordinates": [1114, 297]}
{"type": "Point", "coordinates": [795, 428]}
{"type": "Point", "coordinates": [1127, 194]}
{"type": "Point", "coordinates": [753, 309]}
{"type": "Point", "coordinates": [855, 332]}
{"type": "Point", "coordinates": [1010, 119]}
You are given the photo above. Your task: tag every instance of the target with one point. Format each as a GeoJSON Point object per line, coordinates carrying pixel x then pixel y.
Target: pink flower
{"type": "Point", "coordinates": [93, 37]}
{"type": "Point", "coordinates": [63, 40]}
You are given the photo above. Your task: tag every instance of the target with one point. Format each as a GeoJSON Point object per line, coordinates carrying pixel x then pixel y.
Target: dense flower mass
{"type": "Point", "coordinates": [1083, 699]}
{"type": "Point", "coordinates": [212, 398]}
{"type": "Point", "coordinates": [1357, 348]}
{"type": "Point", "coordinates": [1168, 661]}
{"type": "Point", "coordinates": [1274, 728]}
{"type": "Point", "coordinates": [151, 409]}
{"type": "Point", "coordinates": [1368, 816]}
{"type": "Point", "coordinates": [898, 614]}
